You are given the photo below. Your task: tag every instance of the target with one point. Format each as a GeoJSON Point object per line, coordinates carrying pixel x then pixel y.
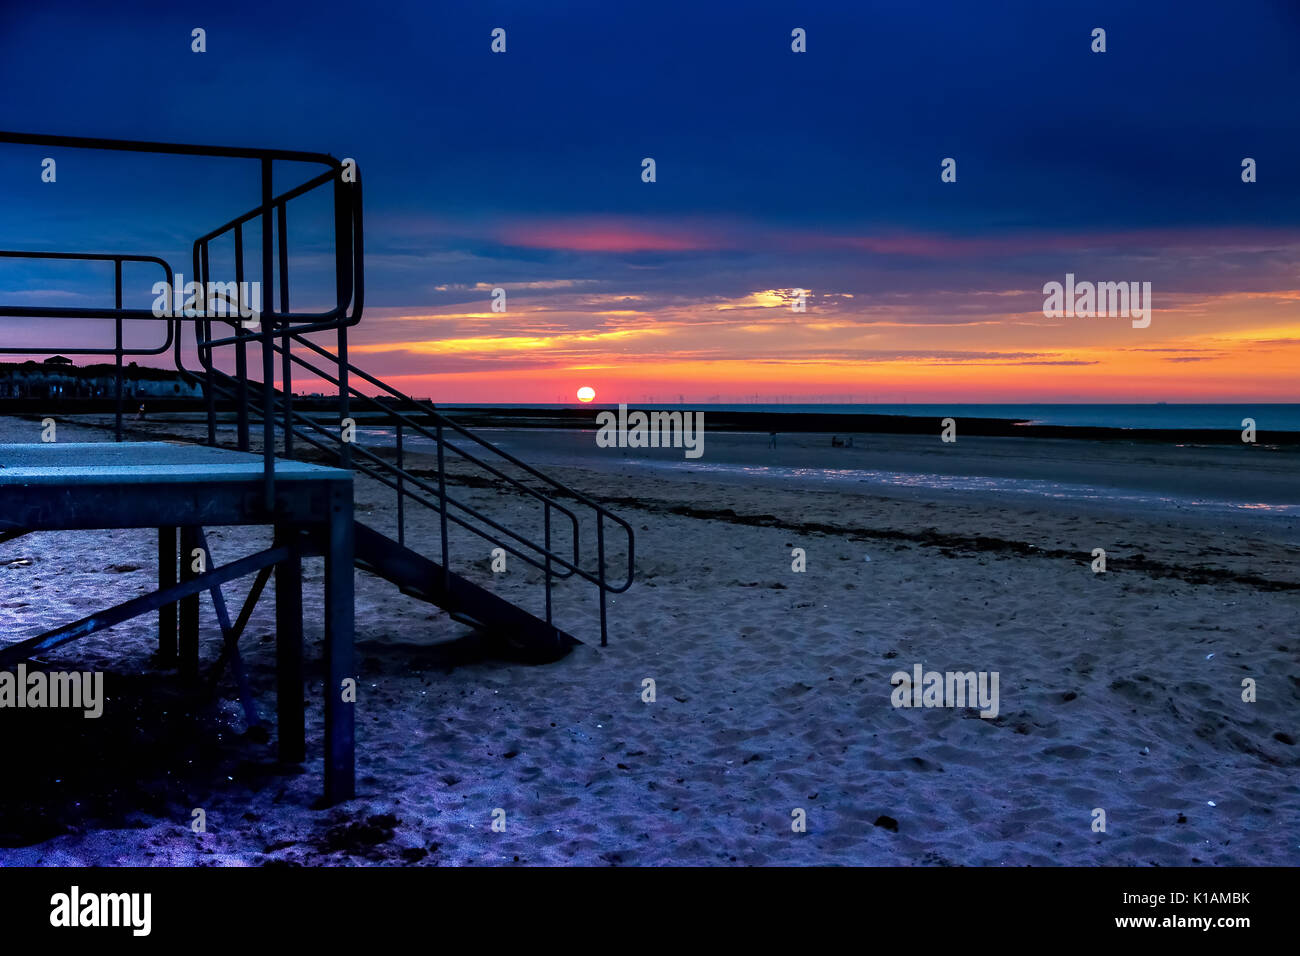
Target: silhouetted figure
{"type": "Point", "coordinates": [771, 440]}
{"type": "Point", "coordinates": [140, 414]}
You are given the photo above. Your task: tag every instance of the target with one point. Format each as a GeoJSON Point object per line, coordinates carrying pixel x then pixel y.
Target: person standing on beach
{"type": "Point", "coordinates": [771, 440]}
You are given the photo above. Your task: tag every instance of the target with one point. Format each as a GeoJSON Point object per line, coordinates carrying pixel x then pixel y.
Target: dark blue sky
{"type": "Point", "coordinates": [848, 134]}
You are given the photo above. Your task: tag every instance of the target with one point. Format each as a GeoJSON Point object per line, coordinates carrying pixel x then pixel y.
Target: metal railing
{"type": "Point", "coordinates": [348, 255]}
{"type": "Point", "coordinates": [279, 329]}
{"type": "Point", "coordinates": [117, 314]}
{"type": "Point", "coordinates": [414, 417]}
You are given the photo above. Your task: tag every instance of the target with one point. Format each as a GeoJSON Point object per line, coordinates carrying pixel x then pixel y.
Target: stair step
{"type": "Point", "coordinates": [465, 601]}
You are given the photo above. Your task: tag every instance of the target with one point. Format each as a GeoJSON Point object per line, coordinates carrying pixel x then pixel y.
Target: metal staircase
{"type": "Point", "coordinates": [570, 541]}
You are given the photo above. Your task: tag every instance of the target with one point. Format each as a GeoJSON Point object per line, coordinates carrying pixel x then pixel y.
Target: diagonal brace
{"type": "Point", "coordinates": [231, 632]}
{"type": "Point", "coordinates": [23, 650]}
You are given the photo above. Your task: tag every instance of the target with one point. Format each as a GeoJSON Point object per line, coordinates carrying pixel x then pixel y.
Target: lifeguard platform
{"type": "Point", "coordinates": [180, 489]}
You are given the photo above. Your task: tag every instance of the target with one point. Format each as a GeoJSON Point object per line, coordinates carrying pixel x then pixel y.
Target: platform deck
{"type": "Point", "coordinates": [56, 463]}
{"type": "Point", "coordinates": [173, 487]}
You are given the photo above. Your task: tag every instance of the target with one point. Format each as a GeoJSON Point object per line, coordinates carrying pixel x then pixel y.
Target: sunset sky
{"type": "Point", "coordinates": [776, 171]}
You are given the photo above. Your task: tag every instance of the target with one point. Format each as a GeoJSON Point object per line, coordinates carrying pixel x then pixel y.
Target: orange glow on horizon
{"type": "Point", "coordinates": [1225, 348]}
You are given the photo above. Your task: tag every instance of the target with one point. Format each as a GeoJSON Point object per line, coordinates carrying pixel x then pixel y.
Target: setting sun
{"type": "Point", "coordinates": [586, 393]}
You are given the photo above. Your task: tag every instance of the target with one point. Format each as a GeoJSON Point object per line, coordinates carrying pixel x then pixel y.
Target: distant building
{"type": "Point", "coordinates": [57, 377]}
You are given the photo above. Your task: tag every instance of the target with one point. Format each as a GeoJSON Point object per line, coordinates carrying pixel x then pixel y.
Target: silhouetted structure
{"type": "Point", "coordinates": [310, 510]}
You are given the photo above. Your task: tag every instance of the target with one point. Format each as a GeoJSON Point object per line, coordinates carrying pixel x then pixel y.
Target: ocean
{"type": "Point", "coordinates": [1267, 416]}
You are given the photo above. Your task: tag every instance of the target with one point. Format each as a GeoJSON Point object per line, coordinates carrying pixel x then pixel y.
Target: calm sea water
{"type": "Point", "coordinates": [1268, 417]}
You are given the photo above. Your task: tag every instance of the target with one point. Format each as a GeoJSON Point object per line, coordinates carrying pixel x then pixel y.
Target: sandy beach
{"type": "Point", "coordinates": [1119, 691]}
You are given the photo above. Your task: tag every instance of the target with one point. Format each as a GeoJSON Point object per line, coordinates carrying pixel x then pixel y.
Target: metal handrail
{"type": "Point", "coordinates": [204, 349]}
{"type": "Point", "coordinates": [118, 313]}
{"type": "Point", "coordinates": [402, 476]}
{"type": "Point", "coordinates": [445, 422]}
{"type": "Point", "coordinates": [350, 282]}
{"type": "Point", "coordinates": [461, 430]}
{"type": "Point", "coordinates": [349, 248]}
